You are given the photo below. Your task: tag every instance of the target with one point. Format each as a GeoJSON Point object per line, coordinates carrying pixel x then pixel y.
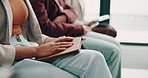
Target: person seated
{"type": "Point", "coordinates": [84, 16]}
{"type": "Point", "coordinates": [21, 41]}
{"type": "Point", "coordinates": [56, 18]}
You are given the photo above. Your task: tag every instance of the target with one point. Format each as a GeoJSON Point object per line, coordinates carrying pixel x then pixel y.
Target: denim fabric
{"type": "Point", "coordinates": [86, 64]}
{"type": "Point", "coordinates": [24, 42]}
{"type": "Point", "coordinates": [109, 47]}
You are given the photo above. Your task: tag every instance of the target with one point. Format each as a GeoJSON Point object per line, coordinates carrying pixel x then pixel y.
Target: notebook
{"type": "Point", "coordinates": [73, 50]}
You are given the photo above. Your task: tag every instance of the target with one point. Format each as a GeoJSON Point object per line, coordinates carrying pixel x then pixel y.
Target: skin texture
{"type": "Point", "coordinates": [61, 18]}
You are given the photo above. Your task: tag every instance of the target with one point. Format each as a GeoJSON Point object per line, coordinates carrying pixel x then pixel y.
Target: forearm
{"type": "Point", "coordinates": [61, 29]}
{"type": "Point", "coordinates": [71, 17]}
{"type": "Point", "coordinates": [69, 12]}
{"type": "Point", "coordinates": [25, 52]}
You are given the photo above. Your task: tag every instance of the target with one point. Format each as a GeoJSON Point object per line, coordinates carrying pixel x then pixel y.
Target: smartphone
{"type": "Point", "coordinates": [94, 25]}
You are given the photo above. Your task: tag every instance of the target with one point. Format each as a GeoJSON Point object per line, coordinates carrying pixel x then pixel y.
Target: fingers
{"type": "Point", "coordinates": [51, 48]}
{"type": "Point", "coordinates": [60, 44]}
{"type": "Point", "coordinates": [64, 45]}
{"type": "Point", "coordinates": [67, 39]}
{"type": "Point", "coordinates": [60, 47]}
{"type": "Point", "coordinates": [56, 50]}
{"type": "Point", "coordinates": [83, 38]}
{"type": "Point", "coordinates": [86, 29]}
{"type": "Point", "coordinates": [90, 23]}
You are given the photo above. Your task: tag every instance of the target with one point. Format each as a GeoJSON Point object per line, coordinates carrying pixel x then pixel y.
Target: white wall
{"type": "Point", "coordinates": [87, 10]}
{"type": "Point", "coordinates": [136, 7]}
{"type": "Point", "coordinates": [130, 19]}
{"type": "Point", "coordinates": [92, 10]}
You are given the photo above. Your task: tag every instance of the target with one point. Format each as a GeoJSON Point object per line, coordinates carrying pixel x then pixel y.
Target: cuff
{"type": "Point", "coordinates": [44, 38]}
{"type": "Point", "coordinates": [7, 55]}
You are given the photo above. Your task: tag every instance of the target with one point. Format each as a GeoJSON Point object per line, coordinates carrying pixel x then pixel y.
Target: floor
{"type": "Point", "coordinates": [134, 61]}
{"type": "Point", "coordinates": [134, 73]}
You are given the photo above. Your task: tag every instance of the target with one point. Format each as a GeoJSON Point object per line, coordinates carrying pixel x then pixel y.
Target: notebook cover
{"type": "Point", "coordinates": [73, 50]}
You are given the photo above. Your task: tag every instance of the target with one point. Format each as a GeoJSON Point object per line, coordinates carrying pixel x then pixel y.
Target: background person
{"type": "Point", "coordinates": [56, 19]}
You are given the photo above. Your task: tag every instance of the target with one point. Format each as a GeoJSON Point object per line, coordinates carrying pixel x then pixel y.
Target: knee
{"type": "Point", "coordinates": [92, 55]}
{"type": "Point", "coordinates": [111, 52]}
{"type": "Point", "coordinates": [115, 53]}
{"type": "Point", "coordinates": [115, 42]}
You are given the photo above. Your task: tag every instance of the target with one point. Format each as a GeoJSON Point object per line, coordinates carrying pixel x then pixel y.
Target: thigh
{"type": "Point", "coordinates": [103, 37]}
{"type": "Point", "coordinates": [80, 63]}
{"type": "Point", "coordinates": [36, 69]}
{"type": "Point", "coordinates": [106, 48]}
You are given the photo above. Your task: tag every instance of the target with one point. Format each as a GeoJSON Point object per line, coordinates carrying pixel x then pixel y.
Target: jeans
{"type": "Point", "coordinates": [109, 47]}
{"type": "Point", "coordinates": [86, 64]}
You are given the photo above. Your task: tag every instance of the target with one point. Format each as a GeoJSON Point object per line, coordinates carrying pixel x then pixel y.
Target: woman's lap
{"type": "Point", "coordinates": [76, 65]}
{"type": "Point", "coordinates": [105, 47]}
{"type": "Point", "coordinates": [103, 37]}
{"type": "Point", "coordinates": [28, 68]}
{"type": "Point", "coordinates": [69, 67]}
{"type": "Point", "coordinates": [83, 63]}
{"type": "Point", "coordinates": [108, 46]}
{"type": "Point", "coordinates": [36, 69]}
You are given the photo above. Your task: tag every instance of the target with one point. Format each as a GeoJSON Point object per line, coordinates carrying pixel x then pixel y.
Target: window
{"type": "Point", "coordinates": [130, 19]}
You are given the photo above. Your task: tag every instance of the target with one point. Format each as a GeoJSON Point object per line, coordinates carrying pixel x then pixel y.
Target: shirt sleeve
{"type": "Point", "coordinates": [44, 38]}
{"type": "Point", "coordinates": [51, 28]}
{"type": "Point", "coordinates": [7, 55]}
{"type": "Point", "coordinates": [68, 11]}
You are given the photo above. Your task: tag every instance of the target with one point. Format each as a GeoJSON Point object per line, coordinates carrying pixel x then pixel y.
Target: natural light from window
{"type": "Point", "coordinates": [130, 18]}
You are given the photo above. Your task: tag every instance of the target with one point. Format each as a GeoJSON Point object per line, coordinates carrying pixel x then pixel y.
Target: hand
{"type": "Point", "coordinates": [64, 38]}
{"type": "Point", "coordinates": [50, 39]}
{"type": "Point", "coordinates": [86, 29]}
{"type": "Point", "coordinates": [91, 23]}
{"type": "Point", "coordinates": [52, 47]}
{"type": "Point", "coordinates": [61, 19]}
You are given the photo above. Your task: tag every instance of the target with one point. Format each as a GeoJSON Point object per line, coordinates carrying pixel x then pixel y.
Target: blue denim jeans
{"type": "Point", "coordinates": [21, 41]}
{"type": "Point", "coordinates": [109, 47]}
